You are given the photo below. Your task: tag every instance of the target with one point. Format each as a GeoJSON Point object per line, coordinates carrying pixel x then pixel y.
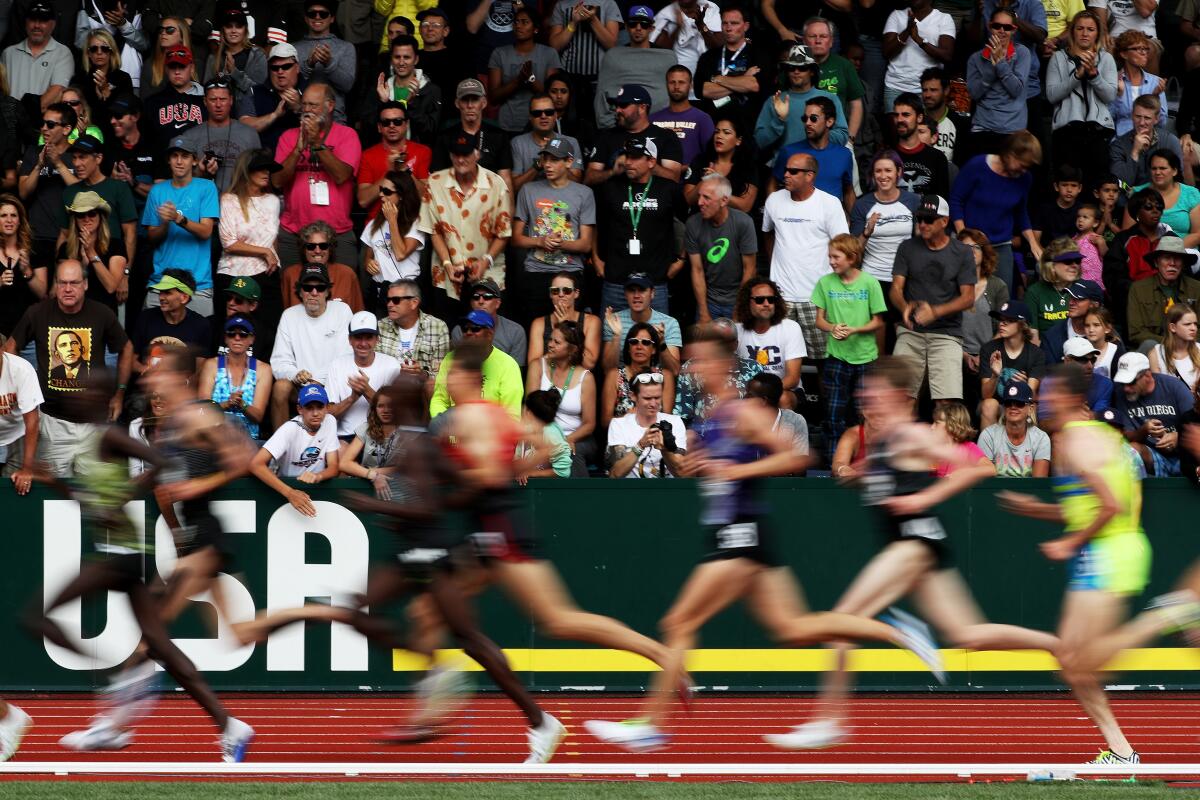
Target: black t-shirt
{"type": "Point", "coordinates": [1031, 361]}
{"type": "Point", "coordinates": [743, 174]}
{"type": "Point", "coordinates": [1054, 221]}
{"type": "Point", "coordinates": [96, 290]}
{"type": "Point", "coordinates": [612, 142]}
{"type": "Point", "coordinates": [926, 171]}
{"type": "Point", "coordinates": [262, 101]}
{"type": "Point", "coordinates": [153, 328]}
{"type": "Point", "coordinates": [43, 205]}
{"type": "Point", "coordinates": [736, 64]}
{"type": "Point", "coordinates": [169, 113]}
{"type": "Point", "coordinates": [494, 152]}
{"type": "Point", "coordinates": [15, 299]}
{"type": "Point", "coordinates": [68, 346]}
{"type": "Point", "coordinates": [139, 159]}
{"type": "Point", "coordinates": [655, 232]}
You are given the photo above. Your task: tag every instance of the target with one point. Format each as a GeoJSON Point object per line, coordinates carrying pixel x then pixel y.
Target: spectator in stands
{"type": "Point", "coordinates": [767, 336]}
{"type": "Point", "coordinates": [693, 403]}
{"type": "Point", "coordinates": [527, 149]}
{"type": "Point", "coordinates": [639, 307]}
{"type": "Point", "coordinates": [101, 77]}
{"type": "Point", "coordinates": [721, 247]}
{"type": "Point", "coordinates": [415, 339]}
{"type": "Point", "coordinates": [180, 217]}
{"type": "Point", "coordinates": [173, 33]}
{"type": "Point", "coordinates": [420, 98]}
{"type": "Point", "coordinates": [274, 107]}
{"type": "Point", "coordinates": [1081, 83]}
{"type": "Point", "coordinates": [781, 120]}
{"type": "Point", "coordinates": [561, 370]}
{"type": "Point", "coordinates": [1178, 354]}
{"type": "Point", "coordinates": [882, 219]}
{"type": "Point", "coordinates": [309, 338]}
{"type": "Point", "coordinates": [1059, 217]}
{"type": "Point", "coordinates": [835, 163]}
{"type": "Point", "coordinates": [582, 33]}
{"type": "Point", "coordinates": [632, 103]}
{"type": "Point", "coordinates": [355, 378]}
{"type": "Point", "coordinates": [249, 224]}
{"type": "Point", "coordinates": [507, 336]}
{"type": "Point", "coordinates": [518, 71]}
{"type": "Point", "coordinates": [392, 237]}
{"type": "Point", "coordinates": [86, 155]}
{"type": "Point", "coordinates": [71, 335]}
{"type": "Point", "coordinates": [1061, 266]}
{"type": "Point", "coordinates": [318, 243]}
{"type": "Point", "coordinates": [180, 104]}
{"type": "Point", "coordinates": [1130, 152]}
{"type": "Point", "coordinates": [914, 39]}
{"type": "Point", "coordinates": [855, 445]}
{"type": "Point", "coordinates": [221, 139]}
{"type": "Point", "coordinates": [128, 151]}
{"type": "Point", "coordinates": [564, 298]}
{"type": "Point", "coordinates": [693, 126]}
{"type": "Point", "coordinates": [954, 421]}
{"type": "Point", "coordinates": [39, 67]}
{"type": "Point", "coordinates": [172, 323]}
{"type": "Point", "coordinates": [1100, 390]}
{"type": "Point", "coordinates": [236, 381]}
{"type": "Point", "coordinates": [495, 154]}
{"type": "Point", "coordinates": [1126, 260]}
{"type": "Point", "coordinates": [799, 221]}
{"type": "Point", "coordinates": [838, 75]}
{"type": "Point", "coordinates": [1132, 50]}
{"type": "Point", "coordinates": [768, 390]}
{"type": "Point", "coordinates": [643, 345]}
{"type": "Point", "coordinates": [647, 443]}
{"type": "Point", "coordinates": [319, 160]}
{"type": "Point", "coordinates": [19, 420]}
{"type": "Point", "coordinates": [501, 373]}
{"type": "Point", "coordinates": [1011, 358]}
{"type": "Point", "coordinates": [1102, 336]}
{"type": "Point", "coordinates": [236, 58]}
{"type": "Point", "coordinates": [45, 172]}
{"type": "Point", "coordinates": [926, 169]}
{"type": "Point", "coordinates": [395, 152]}
{"type": "Point", "coordinates": [541, 408]}
{"type": "Point", "coordinates": [1149, 406]}
{"type": "Point", "coordinates": [555, 221]}
{"type": "Point", "coordinates": [88, 239]}
{"type": "Point", "coordinates": [1182, 200]}
{"type": "Point", "coordinates": [689, 28]}
{"type": "Point", "coordinates": [1150, 297]}
{"type": "Point", "coordinates": [952, 128]}
{"type": "Point", "coordinates": [241, 299]}
{"type": "Point", "coordinates": [730, 154]}
{"type": "Point", "coordinates": [1082, 297]}
{"type": "Point", "coordinates": [305, 448]}
{"type": "Point", "coordinates": [990, 195]}
{"type": "Point", "coordinates": [735, 75]}
{"type": "Point", "coordinates": [996, 78]}
{"type": "Point", "coordinates": [324, 58]}
{"type": "Point", "coordinates": [933, 283]}
{"type": "Point", "coordinates": [21, 283]}
{"type": "Point", "coordinates": [979, 327]}
{"type": "Point", "coordinates": [571, 118]}
{"type": "Point", "coordinates": [466, 253]}
{"type": "Point", "coordinates": [638, 63]}
{"type": "Point", "coordinates": [374, 440]}
{"type": "Point", "coordinates": [1017, 447]}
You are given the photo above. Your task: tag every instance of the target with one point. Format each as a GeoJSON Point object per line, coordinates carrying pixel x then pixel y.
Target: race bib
{"type": "Point", "coordinates": [923, 528]}
{"type": "Point", "coordinates": [738, 535]}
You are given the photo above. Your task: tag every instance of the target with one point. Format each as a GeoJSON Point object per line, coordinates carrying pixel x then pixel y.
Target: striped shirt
{"type": "Point", "coordinates": [583, 53]}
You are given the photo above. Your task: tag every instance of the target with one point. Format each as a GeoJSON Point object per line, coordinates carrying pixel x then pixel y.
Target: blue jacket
{"type": "Point", "coordinates": [1100, 394]}
{"type": "Point", "coordinates": [771, 132]}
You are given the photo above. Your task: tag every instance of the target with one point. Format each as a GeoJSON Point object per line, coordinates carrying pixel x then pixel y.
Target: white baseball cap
{"type": "Point", "coordinates": [284, 50]}
{"type": "Point", "coordinates": [1130, 366]}
{"type": "Point", "coordinates": [1079, 347]}
{"type": "Point", "coordinates": [364, 322]}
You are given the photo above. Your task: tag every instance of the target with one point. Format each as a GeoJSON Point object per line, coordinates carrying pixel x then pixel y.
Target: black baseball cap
{"type": "Point", "coordinates": [125, 104]}
{"type": "Point", "coordinates": [463, 144]}
{"type": "Point", "coordinates": [314, 273]}
{"type": "Point", "coordinates": [639, 279]}
{"type": "Point", "coordinates": [41, 10]}
{"type": "Point", "coordinates": [87, 144]}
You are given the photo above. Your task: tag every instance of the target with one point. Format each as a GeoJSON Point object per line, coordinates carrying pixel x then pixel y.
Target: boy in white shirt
{"type": "Point", "coordinates": [305, 448]}
{"type": "Point", "coordinates": [354, 379]}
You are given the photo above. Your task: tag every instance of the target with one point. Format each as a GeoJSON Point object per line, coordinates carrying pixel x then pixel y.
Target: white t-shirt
{"type": "Point", "coordinates": [1104, 363]}
{"type": "Point", "coordinates": [895, 224]}
{"type": "Point", "coordinates": [626, 432]}
{"type": "Point", "coordinates": [310, 343]}
{"type": "Point", "coordinates": [773, 349]}
{"type": "Point", "coordinates": [802, 233]}
{"type": "Point", "coordinates": [297, 451]}
{"type": "Point", "coordinates": [19, 394]}
{"type": "Point", "coordinates": [390, 269]}
{"type": "Point", "coordinates": [383, 370]}
{"type": "Point", "coordinates": [904, 71]}
{"type": "Point", "coordinates": [689, 45]}
{"type": "Point", "coordinates": [1125, 17]}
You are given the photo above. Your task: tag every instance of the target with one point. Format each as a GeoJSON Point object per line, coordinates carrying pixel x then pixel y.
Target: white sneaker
{"type": "Point", "coordinates": [809, 736]}
{"type": "Point", "coordinates": [918, 638]}
{"type": "Point", "coordinates": [441, 692]}
{"type": "Point", "coordinates": [100, 735]}
{"type": "Point", "coordinates": [235, 741]}
{"type": "Point", "coordinates": [132, 695]}
{"type": "Point", "coordinates": [635, 735]}
{"type": "Point", "coordinates": [12, 729]}
{"type": "Point", "coordinates": [544, 739]}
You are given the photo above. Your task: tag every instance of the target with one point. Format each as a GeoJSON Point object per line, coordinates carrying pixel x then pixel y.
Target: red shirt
{"type": "Point", "coordinates": [1136, 250]}
{"type": "Point", "coordinates": [377, 162]}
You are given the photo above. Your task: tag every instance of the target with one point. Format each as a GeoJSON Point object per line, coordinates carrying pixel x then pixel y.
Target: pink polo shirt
{"type": "Point", "coordinates": [298, 209]}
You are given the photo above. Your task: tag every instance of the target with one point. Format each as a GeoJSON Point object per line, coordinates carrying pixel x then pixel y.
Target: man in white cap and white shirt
{"type": "Point", "coordinates": [1149, 406]}
{"type": "Point", "coordinates": [354, 379]}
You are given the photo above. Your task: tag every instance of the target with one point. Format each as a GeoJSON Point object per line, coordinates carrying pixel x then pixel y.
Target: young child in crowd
{"type": "Point", "coordinates": [1090, 242]}
{"type": "Point", "coordinates": [1057, 218]}
{"type": "Point", "coordinates": [1108, 201]}
{"type": "Point", "coordinates": [1101, 333]}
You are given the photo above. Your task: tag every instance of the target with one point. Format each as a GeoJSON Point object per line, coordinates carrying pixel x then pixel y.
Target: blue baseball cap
{"type": "Point", "coordinates": [629, 94]}
{"type": "Point", "coordinates": [1013, 309]}
{"type": "Point", "coordinates": [313, 393]}
{"type": "Point", "coordinates": [640, 12]}
{"type": "Point", "coordinates": [238, 321]}
{"type": "Point", "coordinates": [1086, 290]}
{"type": "Point", "coordinates": [481, 318]}
{"type": "Point", "coordinates": [1017, 392]}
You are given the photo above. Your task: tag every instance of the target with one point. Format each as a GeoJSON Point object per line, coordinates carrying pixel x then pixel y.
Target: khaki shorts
{"type": "Point", "coordinates": [59, 441]}
{"type": "Point", "coordinates": [936, 354]}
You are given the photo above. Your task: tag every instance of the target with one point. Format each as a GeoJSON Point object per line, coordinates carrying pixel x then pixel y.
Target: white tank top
{"type": "Point", "coordinates": [570, 411]}
{"type": "Point", "coordinates": [1183, 367]}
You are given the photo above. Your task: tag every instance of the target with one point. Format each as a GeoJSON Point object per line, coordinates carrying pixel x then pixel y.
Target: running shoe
{"type": "Point", "coordinates": [917, 637]}
{"type": "Point", "coordinates": [441, 692]}
{"type": "Point", "coordinates": [12, 729]}
{"type": "Point", "coordinates": [132, 694]}
{"type": "Point", "coordinates": [235, 741]}
{"type": "Point", "coordinates": [544, 739]}
{"type": "Point", "coordinates": [634, 735]}
{"type": "Point", "coordinates": [1180, 612]}
{"type": "Point", "coordinates": [102, 734]}
{"type": "Point", "coordinates": [1109, 757]}
{"type": "Point", "coordinates": [815, 735]}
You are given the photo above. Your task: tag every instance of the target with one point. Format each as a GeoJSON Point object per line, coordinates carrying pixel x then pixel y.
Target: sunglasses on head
{"type": "Point", "coordinates": [99, 48]}
{"type": "Point", "coordinates": [313, 288]}
{"type": "Point", "coordinates": [1002, 26]}
{"type": "Point", "coordinates": [397, 299]}
{"type": "Point", "coordinates": [642, 342]}
{"type": "Point", "coordinates": [282, 67]}
{"type": "Point", "coordinates": [541, 112]}
{"type": "Point", "coordinates": [393, 122]}
{"type": "Point", "coordinates": [764, 299]}
{"type": "Point", "coordinates": [316, 245]}
{"type": "Point", "coordinates": [562, 290]}
{"type": "Point", "coordinates": [238, 333]}
{"type": "Point", "coordinates": [648, 377]}
{"type": "Point", "coordinates": [484, 296]}
{"type": "Point", "coordinates": [317, 13]}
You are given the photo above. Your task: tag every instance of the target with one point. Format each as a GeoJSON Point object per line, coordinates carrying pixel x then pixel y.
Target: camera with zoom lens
{"type": "Point", "coordinates": [668, 436]}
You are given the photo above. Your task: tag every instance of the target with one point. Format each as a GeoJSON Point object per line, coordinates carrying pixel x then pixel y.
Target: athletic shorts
{"type": "Point", "coordinates": [928, 530]}
{"type": "Point", "coordinates": [202, 532]}
{"type": "Point", "coordinates": [134, 569]}
{"type": "Point", "coordinates": [743, 538]}
{"type": "Point", "coordinates": [423, 553]}
{"type": "Point", "coordinates": [1118, 563]}
{"type": "Point", "coordinates": [502, 536]}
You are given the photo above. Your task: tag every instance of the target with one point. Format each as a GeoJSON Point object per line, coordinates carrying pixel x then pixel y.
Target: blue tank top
{"type": "Point", "coordinates": [223, 388]}
{"type": "Point", "coordinates": [725, 502]}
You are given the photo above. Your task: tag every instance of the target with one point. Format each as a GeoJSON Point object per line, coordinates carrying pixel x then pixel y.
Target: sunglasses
{"type": "Point", "coordinates": [317, 13]}
{"type": "Point", "coordinates": [168, 29]}
{"type": "Point", "coordinates": [1002, 26]}
{"type": "Point", "coordinates": [316, 245]}
{"type": "Point", "coordinates": [397, 299]}
{"type": "Point", "coordinates": [648, 377]}
{"type": "Point", "coordinates": [484, 296]}
{"type": "Point", "coordinates": [313, 288]}
{"type": "Point", "coordinates": [812, 118]}
{"type": "Point", "coordinates": [238, 333]}
{"type": "Point", "coordinates": [393, 122]}
{"type": "Point", "coordinates": [639, 23]}
{"type": "Point", "coordinates": [1076, 261]}
{"type": "Point", "coordinates": [542, 112]}
{"type": "Point", "coordinates": [51, 124]}
{"type": "Point", "coordinates": [282, 67]}
{"type": "Point", "coordinates": [87, 214]}
{"type": "Point", "coordinates": [1092, 359]}
{"type": "Point", "coordinates": [99, 48]}
{"type": "Point", "coordinates": [797, 170]}
{"type": "Point", "coordinates": [764, 299]}
{"type": "Point", "coordinates": [1014, 404]}
{"type": "Point", "coordinates": [642, 342]}
{"type": "Point", "coordinates": [73, 103]}
{"type": "Point", "coordinates": [386, 192]}
{"type": "Point", "coordinates": [562, 290]}
{"type": "Point", "coordinates": [474, 328]}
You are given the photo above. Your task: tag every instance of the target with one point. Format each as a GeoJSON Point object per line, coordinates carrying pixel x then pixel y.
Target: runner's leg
{"type": "Point", "coordinates": [1087, 615]}
{"type": "Point", "coordinates": [948, 605]}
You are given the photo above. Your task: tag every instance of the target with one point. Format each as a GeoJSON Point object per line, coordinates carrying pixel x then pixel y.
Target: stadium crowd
{"type": "Point", "coordinates": [321, 196]}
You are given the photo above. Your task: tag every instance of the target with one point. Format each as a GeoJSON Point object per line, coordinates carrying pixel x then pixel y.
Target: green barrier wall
{"type": "Point", "coordinates": [623, 547]}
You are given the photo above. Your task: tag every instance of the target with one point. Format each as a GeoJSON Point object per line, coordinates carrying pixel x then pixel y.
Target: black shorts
{"type": "Point", "coordinates": [502, 535]}
{"type": "Point", "coordinates": [926, 529]}
{"type": "Point", "coordinates": [200, 533]}
{"type": "Point", "coordinates": [133, 569]}
{"type": "Point", "coordinates": [745, 537]}
{"type": "Point", "coordinates": [424, 552]}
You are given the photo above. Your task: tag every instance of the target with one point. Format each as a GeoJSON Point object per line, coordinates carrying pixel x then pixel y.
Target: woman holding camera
{"type": "Point", "coordinates": [1081, 81]}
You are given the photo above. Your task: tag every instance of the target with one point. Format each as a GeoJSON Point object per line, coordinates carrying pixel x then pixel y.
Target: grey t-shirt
{"type": "Point", "coordinates": [514, 113]}
{"type": "Point", "coordinates": [1014, 460]}
{"type": "Point", "coordinates": [935, 277]}
{"type": "Point", "coordinates": [721, 248]}
{"type": "Point", "coordinates": [226, 143]}
{"type": "Point", "coordinates": [525, 151]}
{"type": "Point", "coordinates": [547, 210]}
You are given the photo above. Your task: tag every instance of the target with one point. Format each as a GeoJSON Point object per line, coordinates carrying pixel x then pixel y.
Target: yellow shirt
{"type": "Point", "coordinates": [1059, 14]}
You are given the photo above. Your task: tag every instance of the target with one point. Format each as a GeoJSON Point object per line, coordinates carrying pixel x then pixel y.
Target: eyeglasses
{"type": "Point", "coordinates": [562, 290]}
{"type": "Point", "coordinates": [282, 67]}
{"type": "Point", "coordinates": [797, 170]}
{"type": "Point", "coordinates": [99, 48]}
{"type": "Point", "coordinates": [397, 299]}
{"type": "Point", "coordinates": [386, 192]}
{"type": "Point", "coordinates": [169, 29]}
{"type": "Point", "coordinates": [313, 288]}
{"type": "Point", "coordinates": [317, 13]}
{"type": "Point", "coordinates": [73, 103]}
{"type": "Point", "coordinates": [1003, 26]}
{"type": "Point", "coordinates": [648, 377]}
{"type": "Point", "coordinates": [642, 342]}
{"type": "Point", "coordinates": [238, 333]}
{"type": "Point", "coordinates": [484, 296]}
{"type": "Point", "coordinates": [812, 118]}
{"type": "Point", "coordinates": [86, 214]}
{"type": "Point", "coordinates": [316, 245]}
{"type": "Point", "coordinates": [52, 124]}
{"type": "Point", "coordinates": [764, 299]}
{"type": "Point", "coordinates": [393, 122]}
{"type": "Point", "coordinates": [639, 23]}
{"type": "Point", "coordinates": [542, 112]}
{"type": "Point", "coordinates": [1092, 359]}
{"type": "Point", "coordinates": [474, 328]}
{"type": "Point", "coordinates": [974, 246]}
{"type": "Point", "coordinates": [1139, 48]}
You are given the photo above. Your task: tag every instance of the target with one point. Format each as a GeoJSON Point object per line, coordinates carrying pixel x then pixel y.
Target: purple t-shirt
{"type": "Point", "coordinates": [693, 127]}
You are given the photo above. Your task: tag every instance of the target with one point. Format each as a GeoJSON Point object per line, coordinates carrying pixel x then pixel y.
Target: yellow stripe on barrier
{"type": "Point", "coordinates": [809, 660]}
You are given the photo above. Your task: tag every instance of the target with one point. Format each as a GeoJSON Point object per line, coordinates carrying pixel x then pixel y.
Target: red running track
{"type": "Point", "coordinates": [908, 729]}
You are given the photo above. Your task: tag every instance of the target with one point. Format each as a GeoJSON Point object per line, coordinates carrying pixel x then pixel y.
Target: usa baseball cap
{"type": "Point", "coordinates": [313, 393]}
